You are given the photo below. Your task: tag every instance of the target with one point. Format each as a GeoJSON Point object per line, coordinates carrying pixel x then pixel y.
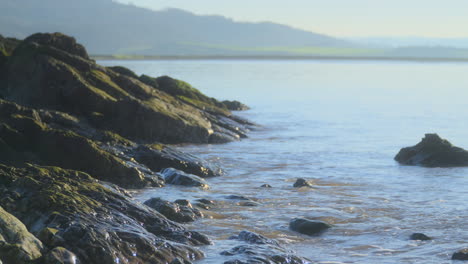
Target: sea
{"type": "Point", "coordinates": [338, 124]}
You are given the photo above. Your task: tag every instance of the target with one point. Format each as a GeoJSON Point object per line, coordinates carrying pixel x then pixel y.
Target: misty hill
{"type": "Point", "coordinates": [107, 27]}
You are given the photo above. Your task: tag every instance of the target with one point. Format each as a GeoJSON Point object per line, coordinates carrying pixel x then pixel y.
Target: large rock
{"type": "Point", "coordinates": [17, 245]}
{"type": "Point", "coordinates": [100, 225]}
{"type": "Point", "coordinates": [308, 227]}
{"type": "Point", "coordinates": [176, 211]}
{"type": "Point", "coordinates": [27, 138]}
{"type": "Point", "coordinates": [259, 249]}
{"type": "Point", "coordinates": [52, 71]}
{"type": "Point", "coordinates": [177, 177]}
{"type": "Point", "coordinates": [60, 255]}
{"type": "Point", "coordinates": [460, 255]}
{"type": "Point", "coordinates": [433, 151]}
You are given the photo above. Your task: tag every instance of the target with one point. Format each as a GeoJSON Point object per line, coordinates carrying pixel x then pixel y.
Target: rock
{"type": "Point", "coordinates": [52, 71]}
{"type": "Point", "coordinates": [204, 204]}
{"type": "Point", "coordinates": [180, 261]}
{"type": "Point", "coordinates": [261, 254]}
{"type": "Point", "coordinates": [460, 255]}
{"type": "Point", "coordinates": [254, 238]}
{"type": "Point", "coordinates": [96, 223]}
{"type": "Point", "coordinates": [60, 255]}
{"type": "Point", "coordinates": [433, 151]}
{"type": "Point", "coordinates": [28, 139]}
{"type": "Point", "coordinates": [308, 227]}
{"type": "Point", "coordinates": [17, 245]}
{"type": "Point", "coordinates": [190, 95]}
{"type": "Point", "coordinates": [177, 177]}
{"type": "Point", "coordinates": [266, 186]}
{"type": "Point", "coordinates": [238, 197]}
{"type": "Point", "coordinates": [419, 236]}
{"type": "Point", "coordinates": [235, 105]}
{"type": "Point", "coordinates": [301, 183]}
{"type": "Point", "coordinates": [158, 157]}
{"type": "Point", "coordinates": [60, 42]}
{"type": "Point", "coordinates": [249, 204]}
{"type": "Point", "coordinates": [181, 212]}
{"type": "Point", "coordinates": [123, 71]}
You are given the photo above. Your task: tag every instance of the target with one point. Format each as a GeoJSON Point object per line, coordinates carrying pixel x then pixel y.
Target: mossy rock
{"type": "Point", "coordinates": [124, 71]}
{"type": "Point", "coordinates": [81, 215]}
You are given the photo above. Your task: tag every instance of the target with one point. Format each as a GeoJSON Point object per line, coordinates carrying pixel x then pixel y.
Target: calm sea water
{"type": "Point", "coordinates": [338, 124]}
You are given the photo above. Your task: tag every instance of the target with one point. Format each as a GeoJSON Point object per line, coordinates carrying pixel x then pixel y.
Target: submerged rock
{"type": "Point", "coordinates": [96, 223]}
{"type": "Point", "coordinates": [17, 245]}
{"type": "Point", "coordinates": [433, 151]}
{"type": "Point", "coordinates": [460, 255]}
{"type": "Point", "coordinates": [179, 211]}
{"type": "Point", "coordinates": [259, 249]}
{"type": "Point", "coordinates": [177, 177]}
{"type": "Point", "coordinates": [419, 236]}
{"type": "Point", "coordinates": [308, 227]}
{"type": "Point", "coordinates": [254, 238]}
{"type": "Point", "coordinates": [302, 183]}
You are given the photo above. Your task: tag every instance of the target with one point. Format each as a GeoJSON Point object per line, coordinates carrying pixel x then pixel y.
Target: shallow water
{"type": "Point", "coordinates": [338, 124]}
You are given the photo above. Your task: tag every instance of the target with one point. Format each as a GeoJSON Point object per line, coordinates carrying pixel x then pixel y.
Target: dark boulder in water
{"type": "Point", "coordinates": [460, 255]}
{"type": "Point", "coordinates": [178, 211]}
{"type": "Point", "coordinates": [433, 151]}
{"type": "Point", "coordinates": [302, 183]}
{"type": "Point", "coordinates": [177, 177]}
{"type": "Point", "coordinates": [308, 227]}
{"type": "Point", "coordinates": [419, 236]}
{"type": "Point", "coordinates": [254, 238]}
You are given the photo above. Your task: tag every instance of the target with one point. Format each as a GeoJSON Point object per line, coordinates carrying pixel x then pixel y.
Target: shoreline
{"type": "Point", "coordinates": [283, 58]}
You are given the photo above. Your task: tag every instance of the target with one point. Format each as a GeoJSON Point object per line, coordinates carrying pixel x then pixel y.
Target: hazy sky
{"type": "Point", "coordinates": [431, 18]}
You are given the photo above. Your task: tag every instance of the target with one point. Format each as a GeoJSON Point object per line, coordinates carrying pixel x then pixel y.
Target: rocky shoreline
{"type": "Point", "coordinates": [74, 134]}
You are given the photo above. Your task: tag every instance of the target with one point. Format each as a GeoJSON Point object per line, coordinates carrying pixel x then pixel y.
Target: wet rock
{"type": "Point", "coordinates": [249, 204]}
{"type": "Point", "coordinates": [419, 236]}
{"type": "Point", "coordinates": [308, 227]}
{"type": "Point", "coordinates": [96, 223]}
{"type": "Point", "coordinates": [158, 157]}
{"type": "Point", "coordinates": [205, 204]}
{"type": "Point", "coordinates": [177, 177]}
{"type": "Point", "coordinates": [254, 238]}
{"type": "Point", "coordinates": [260, 249]}
{"type": "Point", "coordinates": [260, 254]}
{"type": "Point", "coordinates": [460, 255]}
{"type": "Point", "coordinates": [180, 261]}
{"type": "Point", "coordinates": [238, 197]}
{"type": "Point", "coordinates": [17, 245]}
{"type": "Point", "coordinates": [266, 186]}
{"type": "Point", "coordinates": [433, 151]}
{"type": "Point", "coordinates": [301, 183]}
{"type": "Point", "coordinates": [27, 138]}
{"type": "Point", "coordinates": [181, 212]}
{"type": "Point", "coordinates": [235, 105]}
{"type": "Point", "coordinates": [60, 255]}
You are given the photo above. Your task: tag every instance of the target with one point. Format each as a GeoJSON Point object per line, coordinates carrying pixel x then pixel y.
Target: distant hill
{"type": "Point", "coordinates": [107, 27]}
